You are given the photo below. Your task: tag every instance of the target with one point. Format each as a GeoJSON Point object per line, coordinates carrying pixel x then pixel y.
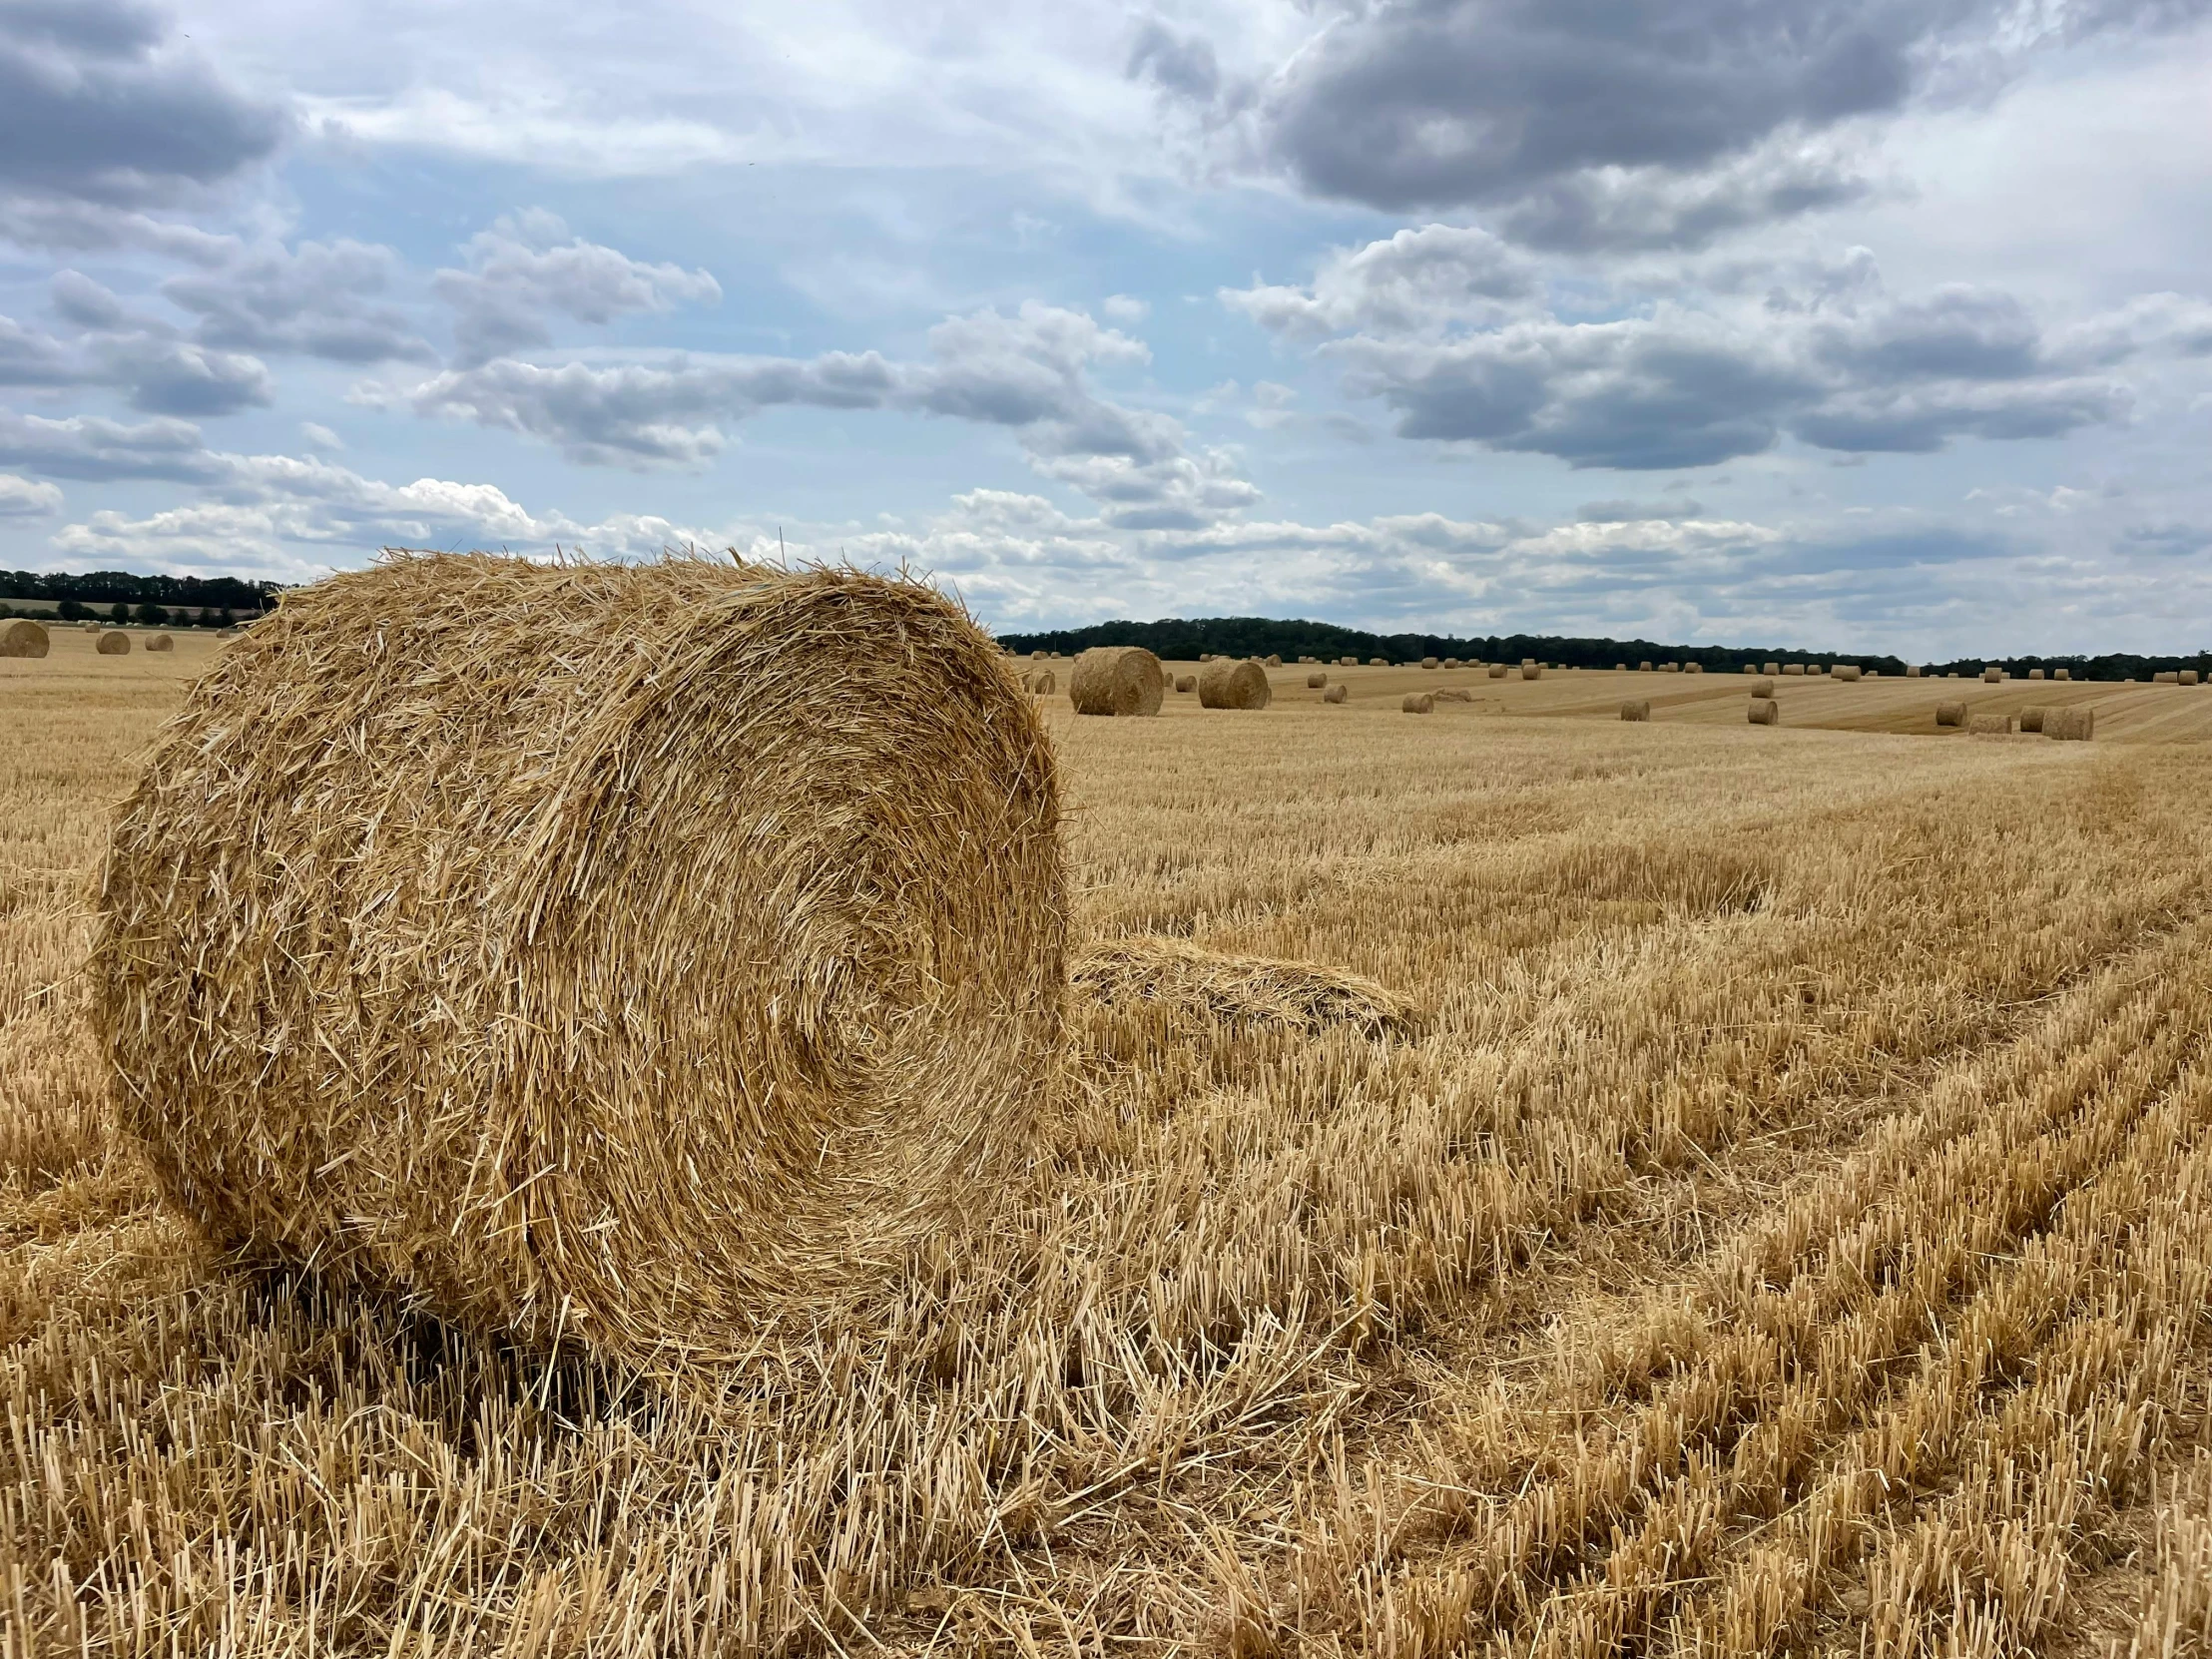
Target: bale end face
{"type": "Point", "coordinates": [1116, 680]}
{"type": "Point", "coordinates": [1316, 680]}
{"type": "Point", "coordinates": [1336, 694]}
{"type": "Point", "coordinates": [160, 642]}
{"type": "Point", "coordinates": [743, 942]}
{"type": "Point", "coordinates": [1951, 714]}
{"type": "Point", "coordinates": [1186, 682]}
{"type": "Point", "coordinates": [1046, 684]}
{"type": "Point", "coordinates": [1765, 711]}
{"type": "Point", "coordinates": [2031, 719]}
{"type": "Point", "coordinates": [1234, 683]}
{"type": "Point", "coordinates": [1636, 707]}
{"type": "Point", "coordinates": [114, 643]}
{"type": "Point", "coordinates": [2074, 725]}
{"type": "Point", "coordinates": [1417, 703]}
{"type": "Point", "coordinates": [22, 637]}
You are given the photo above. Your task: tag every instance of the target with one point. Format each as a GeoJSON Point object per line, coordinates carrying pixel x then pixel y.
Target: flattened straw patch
{"type": "Point", "coordinates": [1236, 990]}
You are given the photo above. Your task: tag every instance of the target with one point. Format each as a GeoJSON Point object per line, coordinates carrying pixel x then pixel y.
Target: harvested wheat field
{"type": "Point", "coordinates": [1516, 1181]}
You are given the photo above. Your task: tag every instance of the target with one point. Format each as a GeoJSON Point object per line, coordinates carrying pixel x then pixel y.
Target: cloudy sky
{"type": "Point", "coordinates": [1861, 323]}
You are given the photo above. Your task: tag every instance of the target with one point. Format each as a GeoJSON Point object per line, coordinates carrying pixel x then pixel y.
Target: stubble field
{"type": "Point", "coordinates": [1783, 1224]}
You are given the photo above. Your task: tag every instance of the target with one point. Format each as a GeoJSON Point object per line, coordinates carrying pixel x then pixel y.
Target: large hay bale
{"type": "Point", "coordinates": [1233, 683]}
{"type": "Point", "coordinates": [2074, 725]}
{"type": "Point", "coordinates": [1989, 726]}
{"type": "Point", "coordinates": [631, 956]}
{"type": "Point", "coordinates": [22, 637]}
{"type": "Point", "coordinates": [1186, 682]}
{"type": "Point", "coordinates": [1847, 671]}
{"type": "Point", "coordinates": [1316, 680]}
{"type": "Point", "coordinates": [1951, 714]}
{"type": "Point", "coordinates": [1532, 671]}
{"type": "Point", "coordinates": [1992, 675]}
{"type": "Point", "coordinates": [1761, 687]}
{"type": "Point", "coordinates": [2032, 719]}
{"type": "Point", "coordinates": [114, 643]}
{"type": "Point", "coordinates": [1636, 707]}
{"type": "Point", "coordinates": [1765, 711]}
{"type": "Point", "coordinates": [1417, 703]}
{"type": "Point", "coordinates": [1792, 670]}
{"type": "Point", "coordinates": [160, 642]}
{"type": "Point", "coordinates": [1496, 671]}
{"type": "Point", "coordinates": [1336, 694]}
{"type": "Point", "coordinates": [1116, 680]}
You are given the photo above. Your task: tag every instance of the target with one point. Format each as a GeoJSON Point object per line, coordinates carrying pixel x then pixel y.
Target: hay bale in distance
{"type": "Point", "coordinates": [2033, 674]}
{"type": "Point", "coordinates": [1951, 714]}
{"type": "Point", "coordinates": [1378, 662]}
{"type": "Point", "coordinates": [22, 637]}
{"type": "Point", "coordinates": [1532, 671]}
{"type": "Point", "coordinates": [1768, 670]}
{"type": "Point", "coordinates": [1416, 703]}
{"type": "Point", "coordinates": [1761, 687]}
{"type": "Point", "coordinates": [1643, 668]}
{"type": "Point", "coordinates": [2074, 725]}
{"type": "Point", "coordinates": [1636, 707]}
{"type": "Point", "coordinates": [114, 643]}
{"type": "Point", "coordinates": [1273, 661]}
{"type": "Point", "coordinates": [1847, 673]}
{"type": "Point", "coordinates": [2188, 675]}
{"type": "Point", "coordinates": [1348, 662]}
{"type": "Point", "coordinates": [736, 978]}
{"type": "Point", "coordinates": [1047, 683]}
{"type": "Point", "coordinates": [1911, 671]}
{"type": "Point", "coordinates": [1991, 676]}
{"type": "Point", "coordinates": [1116, 680]}
{"type": "Point", "coordinates": [1451, 662]}
{"type": "Point", "coordinates": [1989, 726]}
{"type": "Point", "coordinates": [2031, 719]}
{"type": "Point", "coordinates": [1496, 671]}
{"type": "Point", "coordinates": [160, 642]}
{"type": "Point", "coordinates": [1316, 680]}
{"type": "Point", "coordinates": [1336, 694]}
{"type": "Point", "coordinates": [1036, 656]}
{"type": "Point", "coordinates": [1670, 668]}
{"type": "Point", "coordinates": [1234, 683]}
{"type": "Point", "coordinates": [1428, 662]}
{"type": "Point", "coordinates": [1186, 682]}
{"type": "Point", "coordinates": [1765, 711]}
{"type": "Point", "coordinates": [2061, 674]}
{"type": "Point", "coordinates": [1792, 670]}
{"type": "Point", "coordinates": [1693, 668]}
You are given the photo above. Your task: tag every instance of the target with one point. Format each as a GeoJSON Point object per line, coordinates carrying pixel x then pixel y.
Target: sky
{"type": "Point", "coordinates": [1863, 324]}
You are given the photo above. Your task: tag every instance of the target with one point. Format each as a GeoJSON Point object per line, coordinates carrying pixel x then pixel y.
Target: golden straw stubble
{"type": "Point", "coordinates": [1116, 680]}
{"type": "Point", "coordinates": [624, 954]}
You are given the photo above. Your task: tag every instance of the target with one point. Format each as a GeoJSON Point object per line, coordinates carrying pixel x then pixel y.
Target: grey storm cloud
{"type": "Point", "coordinates": [1025, 372]}
{"type": "Point", "coordinates": [1608, 123]}
{"type": "Point", "coordinates": [161, 372]}
{"type": "Point", "coordinates": [528, 264]}
{"type": "Point", "coordinates": [318, 300]}
{"type": "Point", "coordinates": [97, 102]}
{"type": "Point", "coordinates": [1843, 366]}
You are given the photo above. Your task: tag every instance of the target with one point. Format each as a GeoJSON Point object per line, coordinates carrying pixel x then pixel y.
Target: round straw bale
{"type": "Point", "coordinates": [1911, 672]}
{"type": "Point", "coordinates": [89, 626]}
{"type": "Point", "coordinates": [160, 642]}
{"type": "Point", "coordinates": [2031, 719]}
{"type": "Point", "coordinates": [1693, 668]}
{"type": "Point", "coordinates": [1348, 662]}
{"type": "Point", "coordinates": [2188, 675]}
{"type": "Point", "coordinates": [1670, 668]}
{"type": "Point", "coordinates": [1847, 671]}
{"type": "Point", "coordinates": [1273, 661]}
{"type": "Point", "coordinates": [1047, 683]}
{"type": "Point", "coordinates": [1636, 707]}
{"type": "Point", "coordinates": [1116, 680]}
{"type": "Point", "coordinates": [2034, 674]}
{"type": "Point", "coordinates": [22, 637]}
{"type": "Point", "coordinates": [1769, 669]}
{"type": "Point", "coordinates": [632, 956]}
{"type": "Point", "coordinates": [1029, 682]}
{"type": "Point", "coordinates": [1428, 662]}
{"type": "Point", "coordinates": [1761, 687]}
{"type": "Point", "coordinates": [1233, 683]}
{"type": "Point", "coordinates": [1417, 703]}
{"type": "Point", "coordinates": [1643, 668]}
{"type": "Point", "coordinates": [1205, 656]}
{"type": "Point", "coordinates": [1992, 675]}
{"type": "Point", "coordinates": [1336, 694]}
{"type": "Point", "coordinates": [1316, 680]}
{"type": "Point", "coordinates": [1186, 682]}
{"type": "Point", "coordinates": [1532, 671]}
{"type": "Point", "coordinates": [1951, 714]}
{"type": "Point", "coordinates": [1036, 656]}
{"type": "Point", "coordinates": [2061, 674]}
{"type": "Point", "coordinates": [1451, 662]}
{"type": "Point", "coordinates": [1497, 671]}
{"type": "Point", "coordinates": [1989, 726]}
{"type": "Point", "coordinates": [1765, 711]}
{"type": "Point", "coordinates": [1620, 668]}
{"type": "Point", "coordinates": [114, 643]}
{"type": "Point", "coordinates": [2075, 724]}
{"type": "Point", "coordinates": [1378, 662]}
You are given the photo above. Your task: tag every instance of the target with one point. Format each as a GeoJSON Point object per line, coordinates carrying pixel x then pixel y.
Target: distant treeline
{"type": "Point", "coordinates": [124, 596]}
{"type": "Point", "coordinates": [1253, 635]}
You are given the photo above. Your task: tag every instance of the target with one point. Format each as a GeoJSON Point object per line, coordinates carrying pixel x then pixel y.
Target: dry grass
{"type": "Point", "coordinates": [1764, 1241]}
